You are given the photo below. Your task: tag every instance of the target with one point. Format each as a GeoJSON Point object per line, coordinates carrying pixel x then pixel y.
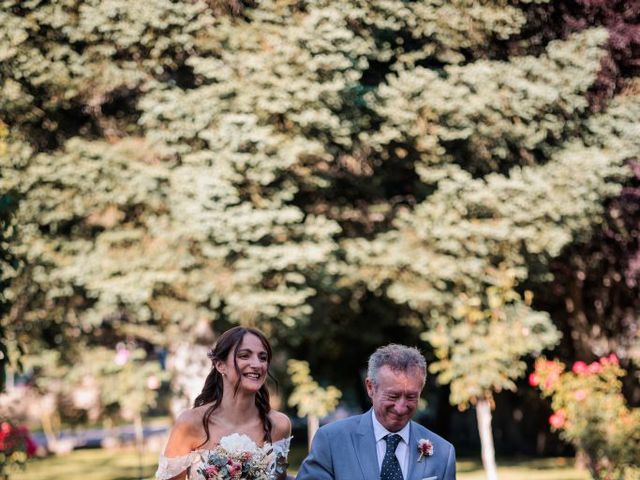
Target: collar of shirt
{"type": "Point", "coordinates": [379, 432]}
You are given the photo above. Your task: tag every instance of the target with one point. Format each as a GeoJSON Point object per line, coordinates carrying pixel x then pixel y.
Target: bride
{"type": "Point", "coordinates": [234, 400]}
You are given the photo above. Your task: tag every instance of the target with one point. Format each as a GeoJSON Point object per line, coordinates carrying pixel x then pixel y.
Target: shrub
{"type": "Point", "coordinates": [16, 445]}
{"type": "Point", "coordinates": [590, 411]}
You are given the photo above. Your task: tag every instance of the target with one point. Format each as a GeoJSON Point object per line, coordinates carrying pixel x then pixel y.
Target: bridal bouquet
{"type": "Point", "coordinates": [238, 457]}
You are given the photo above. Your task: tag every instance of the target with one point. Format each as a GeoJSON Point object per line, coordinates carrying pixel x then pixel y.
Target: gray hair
{"type": "Point", "coordinates": [398, 358]}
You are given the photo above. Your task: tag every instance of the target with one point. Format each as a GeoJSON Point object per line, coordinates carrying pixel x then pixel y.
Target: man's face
{"type": "Point", "coordinates": [395, 397]}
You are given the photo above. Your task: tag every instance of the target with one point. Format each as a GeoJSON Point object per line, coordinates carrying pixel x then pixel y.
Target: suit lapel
{"type": "Point", "coordinates": [416, 470]}
{"type": "Point", "coordinates": [365, 445]}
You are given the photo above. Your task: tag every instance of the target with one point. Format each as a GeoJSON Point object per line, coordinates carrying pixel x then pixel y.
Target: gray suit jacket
{"type": "Point", "coordinates": [346, 450]}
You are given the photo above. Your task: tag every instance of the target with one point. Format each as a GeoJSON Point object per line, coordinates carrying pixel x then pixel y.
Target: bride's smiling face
{"type": "Point", "coordinates": [250, 367]}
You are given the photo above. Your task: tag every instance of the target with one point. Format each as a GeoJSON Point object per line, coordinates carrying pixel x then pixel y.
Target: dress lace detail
{"type": "Point", "coordinates": [169, 467]}
{"type": "Point", "coordinates": [281, 447]}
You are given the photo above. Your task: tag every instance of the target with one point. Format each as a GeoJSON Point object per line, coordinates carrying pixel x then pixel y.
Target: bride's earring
{"type": "Point", "coordinates": [217, 366]}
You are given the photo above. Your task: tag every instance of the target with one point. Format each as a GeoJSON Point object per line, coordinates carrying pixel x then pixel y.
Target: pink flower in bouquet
{"type": "Point", "coordinates": [211, 471]}
{"type": "Point", "coordinates": [534, 379]}
{"type": "Point", "coordinates": [580, 367]}
{"type": "Point", "coordinates": [558, 419]}
{"type": "Point", "coordinates": [246, 456]}
{"type": "Point", "coordinates": [235, 468]}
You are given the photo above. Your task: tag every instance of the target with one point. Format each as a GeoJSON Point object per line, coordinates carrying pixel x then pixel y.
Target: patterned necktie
{"type": "Point", "coordinates": [390, 465]}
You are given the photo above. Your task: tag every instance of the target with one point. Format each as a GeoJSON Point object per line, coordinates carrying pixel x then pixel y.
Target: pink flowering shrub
{"type": "Point", "coordinates": [16, 445]}
{"type": "Point", "coordinates": [589, 411]}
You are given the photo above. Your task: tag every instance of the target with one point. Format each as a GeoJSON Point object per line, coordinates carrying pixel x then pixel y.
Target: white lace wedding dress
{"type": "Point", "coordinates": [169, 467]}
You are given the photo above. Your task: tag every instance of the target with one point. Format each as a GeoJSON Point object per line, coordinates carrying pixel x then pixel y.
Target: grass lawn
{"type": "Point", "coordinates": [524, 469]}
{"type": "Point", "coordinates": [102, 464]}
{"type": "Point", "coordinates": [93, 464]}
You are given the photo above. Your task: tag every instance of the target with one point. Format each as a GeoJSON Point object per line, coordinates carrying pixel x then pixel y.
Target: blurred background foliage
{"type": "Point", "coordinates": [460, 175]}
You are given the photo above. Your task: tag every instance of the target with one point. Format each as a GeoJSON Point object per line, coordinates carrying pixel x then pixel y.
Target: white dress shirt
{"type": "Point", "coordinates": [402, 450]}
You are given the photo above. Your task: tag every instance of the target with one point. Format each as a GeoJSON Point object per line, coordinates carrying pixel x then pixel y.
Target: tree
{"type": "Point", "coordinates": [594, 292]}
{"type": "Point", "coordinates": [482, 351]}
{"type": "Point", "coordinates": [595, 288]}
{"type": "Point", "coordinates": [501, 205]}
{"type": "Point", "coordinates": [105, 384]}
{"type": "Point", "coordinates": [550, 20]}
{"type": "Point", "coordinates": [306, 168]}
{"type": "Point", "coordinates": [8, 263]}
{"type": "Point", "coordinates": [590, 412]}
{"type": "Point", "coordinates": [310, 399]}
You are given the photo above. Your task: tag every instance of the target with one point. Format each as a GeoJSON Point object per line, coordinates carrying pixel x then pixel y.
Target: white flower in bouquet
{"type": "Point", "coordinates": [238, 443]}
{"type": "Point", "coordinates": [238, 457]}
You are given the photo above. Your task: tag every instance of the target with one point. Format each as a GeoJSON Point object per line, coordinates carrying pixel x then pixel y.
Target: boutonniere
{"type": "Point", "coordinates": [425, 448]}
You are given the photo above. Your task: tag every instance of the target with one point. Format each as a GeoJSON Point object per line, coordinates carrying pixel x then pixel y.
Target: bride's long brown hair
{"type": "Point", "coordinates": [227, 344]}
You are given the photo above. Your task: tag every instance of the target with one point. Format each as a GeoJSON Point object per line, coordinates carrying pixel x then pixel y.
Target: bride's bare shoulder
{"type": "Point", "coordinates": [281, 425]}
{"type": "Point", "coordinates": [188, 429]}
{"type": "Point", "coordinates": [191, 419]}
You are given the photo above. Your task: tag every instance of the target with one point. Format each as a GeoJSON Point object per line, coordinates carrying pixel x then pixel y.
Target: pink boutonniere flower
{"type": "Point", "coordinates": [425, 448]}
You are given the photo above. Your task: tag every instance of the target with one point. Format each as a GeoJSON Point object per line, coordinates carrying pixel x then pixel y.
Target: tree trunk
{"type": "Point", "coordinates": [483, 412]}
{"type": "Point", "coordinates": [49, 431]}
{"type": "Point", "coordinates": [139, 431]}
{"type": "Point", "coordinates": [576, 313]}
{"type": "Point", "coordinates": [313, 423]}
{"type": "Point", "coordinates": [189, 365]}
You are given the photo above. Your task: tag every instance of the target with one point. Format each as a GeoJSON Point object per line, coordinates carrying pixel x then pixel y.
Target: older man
{"type": "Point", "coordinates": [383, 443]}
